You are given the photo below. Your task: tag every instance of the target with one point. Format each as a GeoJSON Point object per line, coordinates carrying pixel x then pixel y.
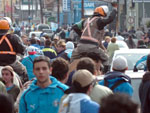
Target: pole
{"type": "Point", "coordinates": [143, 11]}
{"type": "Point", "coordinates": [41, 10]}
{"type": "Point", "coordinates": [82, 12]}
{"type": "Point", "coordinates": [11, 11]}
{"type": "Point", "coordinates": [58, 9]}
{"type": "Point", "coordinates": [29, 17]}
{"type": "Point", "coordinates": [4, 8]}
{"type": "Point", "coordinates": [118, 18]}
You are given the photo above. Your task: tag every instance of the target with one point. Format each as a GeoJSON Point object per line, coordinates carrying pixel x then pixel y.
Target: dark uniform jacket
{"type": "Point", "coordinates": [144, 93]}
{"type": "Point", "coordinates": [17, 45]}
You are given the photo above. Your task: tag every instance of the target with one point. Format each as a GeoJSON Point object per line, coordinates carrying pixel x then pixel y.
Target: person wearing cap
{"type": "Point", "coordinates": [117, 80]}
{"type": "Point", "coordinates": [28, 61]}
{"type": "Point", "coordinates": [68, 52]}
{"type": "Point", "coordinates": [78, 100]}
{"type": "Point", "coordinates": [98, 91]}
{"type": "Point", "coordinates": [48, 51]}
{"type": "Point", "coordinates": [8, 77]}
{"type": "Point", "coordinates": [45, 92]}
{"type": "Point", "coordinates": [10, 46]}
{"type": "Point", "coordinates": [93, 33]}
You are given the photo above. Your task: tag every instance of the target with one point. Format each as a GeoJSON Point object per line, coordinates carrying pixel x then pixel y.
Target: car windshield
{"type": "Point", "coordinates": [132, 58]}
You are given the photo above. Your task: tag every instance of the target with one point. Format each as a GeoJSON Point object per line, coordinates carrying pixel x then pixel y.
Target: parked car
{"type": "Point", "coordinates": [132, 56]}
{"type": "Point", "coordinates": [122, 44]}
{"type": "Point", "coordinates": [40, 27]}
{"type": "Point", "coordinates": [37, 33]}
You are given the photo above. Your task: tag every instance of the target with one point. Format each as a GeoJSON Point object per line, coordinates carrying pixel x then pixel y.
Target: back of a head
{"type": "Point", "coordinates": [86, 63]}
{"type": "Point", "coordinates": [6, 104]}
{"type": "Point", "coordinates": [113, 40]}
{"type": "Point", "coordinates": [102, 10]}
{"type": "Point", "coordinates": [60, 68]}
{"type": "Point", "coordinates": [118, 103]}
{"type": "Point", "coordinates": [48, 42]}
{"type": "Point", "coordinates": [120, 64]}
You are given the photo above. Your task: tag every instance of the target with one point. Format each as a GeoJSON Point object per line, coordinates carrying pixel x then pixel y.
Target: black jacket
{"type": "Point", "coordinates": [17, 45]}
{"type": "Point", "coordinates": [144, 93]}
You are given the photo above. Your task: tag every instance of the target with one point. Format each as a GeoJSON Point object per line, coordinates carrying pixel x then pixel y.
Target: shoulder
{"type": "Point", "coordinates": [62, 86]}
{"type": "Point", "coordinates": [89, 106]}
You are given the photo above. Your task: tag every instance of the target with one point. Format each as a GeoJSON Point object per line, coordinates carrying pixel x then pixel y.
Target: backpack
{"type": "Point", "coordinates": [116, 84]}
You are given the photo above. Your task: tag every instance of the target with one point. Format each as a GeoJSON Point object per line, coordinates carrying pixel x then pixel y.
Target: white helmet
{"type": "Point", "coordinates": [102, 10]}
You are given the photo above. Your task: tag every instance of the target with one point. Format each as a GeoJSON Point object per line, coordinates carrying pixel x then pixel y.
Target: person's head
{"type": "Point", "coordinates": [107, 39]}
{"type": "Point", "coordinates": [86, 63]}
{"type": "Point", "coordinates": [82, 81]}
{"type": "Point", "coordinates": [61, 45]}
{"type": "Point", "coordinates": [113, 40]}
{"type": "Point", "coordinates": [31, 50]}
{"type": "Point", "coordinates": [118, 103]}
{"type": "Point", "coordinates": [4, 26]}
{"type": "Point", "coordinates": [48, 42]}
{"type": "Point", "coordinates": [7, 74]}
{"type": "Point", "coordinates": [6, 104]}
{"type": "Point", "coordinates": [120, 64]}
{"type": "Point", "coordinates": [41, 69]}
{"type": "Point", "coordinates": [69, 46]}
{"type": "Point", "coordinates": [33, 35]}
{"type": "Point", "coordinates": [60, 68]}
{"type": "Point", "coordinates": [102, 10]}
{"type": "Point", "coordinates": [25, 39]}
{"type": "Point", "coordinates": [33, 41]}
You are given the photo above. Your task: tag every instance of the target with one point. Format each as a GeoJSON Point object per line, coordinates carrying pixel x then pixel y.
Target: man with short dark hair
{"type": "Point", "coordinates": [60, 68]}
{"type": "Point", "coordinates": [117, 80]}
{"type": "Point", "coordinates": [44, 94]}
{"type": "Point", "coordinates": [118, 103]}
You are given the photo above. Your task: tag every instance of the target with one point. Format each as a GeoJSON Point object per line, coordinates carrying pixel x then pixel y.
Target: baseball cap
{"type": "Point", "coordinates": [120, 63]}
{"type": "Point", "coordinates": [31, 50]}
{"type": "Point", "coordinates": [83, 77]}
{"type": "Point", "coordinates": [69, 47]}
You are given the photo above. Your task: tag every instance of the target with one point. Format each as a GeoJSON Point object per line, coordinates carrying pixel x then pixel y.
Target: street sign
{"type": "Point", "coordinates": [110, 1]}
{"type": "Point", "coordinates": [141, 0]}
{"type": "Point", "coordinates": [130, 20]}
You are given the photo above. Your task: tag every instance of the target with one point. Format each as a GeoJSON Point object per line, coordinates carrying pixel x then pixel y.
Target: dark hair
{"type": "Point", "coordinates": [33, 41]}
{"type": "Point", "coordinates": [86, 63]}
{"type": "Point", "coordinates": [118, 103]}
{"type": "Point", "coordinates": [6, 104]}
{"type": "Point", "coordinates": [47, 42]}
{"type": "Point", "coordinates": [113, 39]}
{"type": "Point", "coordinates": [60, 68]}
{"type": "Point", "coordinates": [42, 58]}
{"type": "Point", "coordinates": [148, 62]}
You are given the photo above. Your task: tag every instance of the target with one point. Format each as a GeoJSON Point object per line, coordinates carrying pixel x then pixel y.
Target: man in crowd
{"type": "Point", "coordinates": [45, 92]}
{"type": "Point", "coordinates": [117, 80]}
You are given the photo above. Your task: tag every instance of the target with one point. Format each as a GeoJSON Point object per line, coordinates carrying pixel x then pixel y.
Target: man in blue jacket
{"type": "Point", "coordinates": [117, 80]}
{"type": "Point", "coordinates": [44, 94]}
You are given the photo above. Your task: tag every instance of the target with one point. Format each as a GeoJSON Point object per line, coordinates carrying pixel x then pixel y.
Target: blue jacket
{"type": "Point", "coordinates": [42, 100]}
{"type": "Point", "coordinates": [113, 77]}
{"type": "Point", "coordinates": [28, 63]}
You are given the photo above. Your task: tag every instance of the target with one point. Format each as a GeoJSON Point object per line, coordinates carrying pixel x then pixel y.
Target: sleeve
{"type": "Point", "coordinates": [103, 22]}
{"type": "Point", "coordinates": [19, 46]}
{"type": "Point", "coordinates": [22, 105]}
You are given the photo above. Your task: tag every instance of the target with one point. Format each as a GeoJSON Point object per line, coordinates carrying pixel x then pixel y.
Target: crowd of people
{"type": "Point", "coordinates": [51, 74]}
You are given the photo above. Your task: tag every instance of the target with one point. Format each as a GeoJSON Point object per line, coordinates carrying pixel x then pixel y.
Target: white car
{"type": "Point", "coordinates": [132, 56]}
{"type": "Point", "coordinates": [122, 44]}
{"type": "Point", "coordinates": [37, 33]}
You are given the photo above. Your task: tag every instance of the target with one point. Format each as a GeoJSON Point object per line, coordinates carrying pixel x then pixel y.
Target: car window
{"type": "Point", "coordinates": [132, 58]}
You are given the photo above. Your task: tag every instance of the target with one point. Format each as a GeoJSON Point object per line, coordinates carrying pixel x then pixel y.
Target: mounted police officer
{"type": "Point", "coordinates": [10, 46]}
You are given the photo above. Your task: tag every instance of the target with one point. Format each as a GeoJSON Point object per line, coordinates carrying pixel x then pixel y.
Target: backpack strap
{"type": "Point", "coordinates": [10, 46]}
{"type": "Point", "coordinates": [116, 84]}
